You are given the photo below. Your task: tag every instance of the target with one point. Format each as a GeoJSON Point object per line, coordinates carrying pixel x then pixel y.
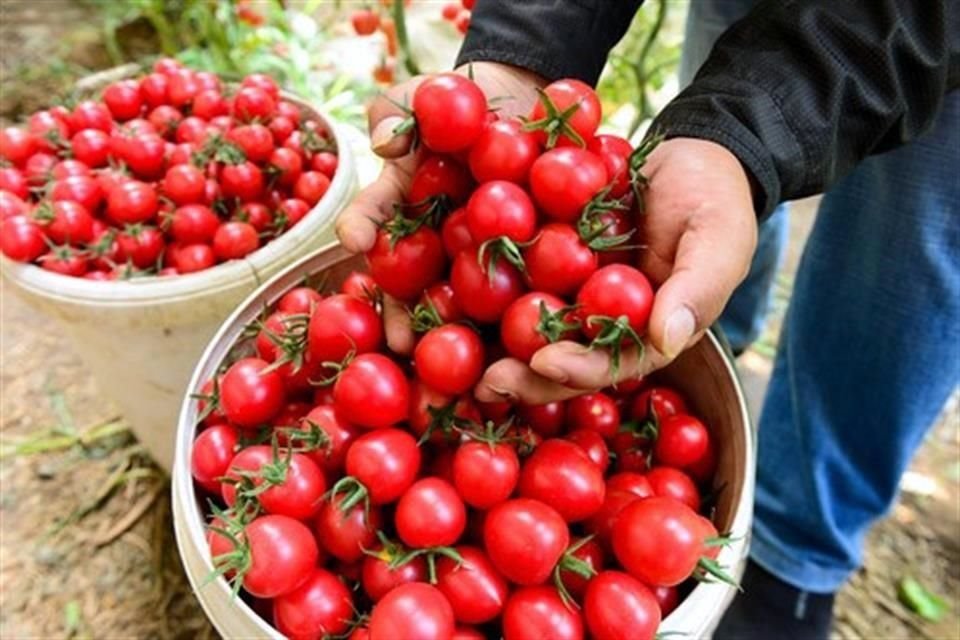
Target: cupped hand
{"type": "Point", "coordinates": [699, 233]}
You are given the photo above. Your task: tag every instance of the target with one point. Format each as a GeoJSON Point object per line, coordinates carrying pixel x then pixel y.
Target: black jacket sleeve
{"type": "Point", "coordinates": [554, 38]}
{"type": "Point", "coordinates": [803, 90]}
{"type": "Point", "coordinates": [799, 90]}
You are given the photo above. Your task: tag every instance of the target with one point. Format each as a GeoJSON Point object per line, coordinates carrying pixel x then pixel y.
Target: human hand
{"type": "Point", "coordinates": [699, 231]}
{"type": "Point", "coordinates": [515, 91]}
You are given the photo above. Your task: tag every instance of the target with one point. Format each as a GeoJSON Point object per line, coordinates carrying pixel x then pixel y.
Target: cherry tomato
{"type": "Point", "coordinates": [535, 613]}
{"type": "Point", "coordinates": [675, 484]}
{"type": "Point", "coordinates": [615, 153]}
{"type": "Point", "coordinates": [425, 402]}
{"type": "Point", "coordinates": [558, 261]}
{"type": "Point", "coordinates": [70, 223]}
{"type": "Point", "coordinates": [153, 90]}
{"type": "Point", "coordinates": [234, 240]}
{"type": "Point", "coordinates": [299, 300]}
{"type": "Point", "coordinates": [255, 140]}
{"type": "Point", "coordinates": [132, 202]}
{"type": "Point", "coordinates": [341, 324]}
{"type": "Point", "coordinates": [563, 182]}
{"type": "Point", "coordinates": [82, 189]}
{"type": "Point", "coordinates": [413, 610]}
{"type": "Point", "coordinates": [21, 239]}
{"type": "Point", "coordinates": [281, 127]}
{"type": "Point", "coordinates": [209, 104]}
{"type": "Point", "coordinates": [291, 211]}
{"type": "Point", "coordinates": [386, 462]}
{"type": "Point", "coordinates": [256, 213]}
{"type": "Point", "coordinates": [450, 111]}
{"type": "Point", "coordinates": [657, 403]}
{"type": "Point", "coordinates": [430, 514]}
{"type": "Point", "coordinates": [311, 186]}
{"type": "Point", "coordinates": [38, 168]}
{"type": "Point", "coordinates": [525, 539]}
{"type": "Point", "coordinates": [631, 482]}
{"type": "Point", "coordinates": [253, 103]}
{"type": "Point", "coordinates": [379, 577]}
{"type": "Point", "coordinates": [372, 391]}
{"type": "Point", "coordinates": [249, 395]}
{"type": "Point", "coordinates": [365, 21]}
{"type": "Point", "coordinates": [602, 522]}
{"type": "Point", "coordinates": [619, 607]}
{"type": "Point", "coordinates": [243, 181]}
{"type": "Point", "coordinates": [320, 608]}
{"type": "Point", "coordinates": [584, 120]}
{"type": "Point", "coordinates": [450, 358]}
{"type": "Point", "coordinates": [443, 300]}
{"type": "Point", "coordinates": [613, 291]}
{"type": "Point", "coordinates": [345, 535]}
{"type": "Point", "coordinates": [475, 589]}
{"type": "Point", "coordinates": [546, 419]}
{"type": "Point", "coordinates": [325, 162]}
{"type": "Point", "coordinates": [504, 151]}
{"type": "Point", "coordinates": [16, 145]}
{"type": "Point", "coordinates": [482, 295]}
{"type": "Point", "coordinates": [140, 244]}
{"type": "Point", "coordinates": [336, 437]}
{"type": "Point", "coordinates": [590, 553]}
{"type": "Point", "coordinates": [295, 483]}
{"type": "Point", "coordinates": [595, 411]}
{"type": "Point", "coordinates": [91, 147]}
{"type": "Point", "coordinates": [593, 445]}
{"type": "Point", "coordinates": [439, 176]}
{"type": "Point", "coordinates": [65, 261]}
{"type": "Point", "coordinates": [667, 598]}
{"type": "Point", "coordinates": [193, 223]}
{"type": "Point", "coordinates": [658, 540]}
{"type": "Point", "coordinates": [288, 164]}
{"type": "Point", "coordinates": [456, 234]}
{"type": "Point", "coordinates": [501, 209]}
{"type": "Point", "coordinates": [283, 554]}
{"type": "Point", "coordinates": [182, 87]}
{"type": "Point", "coordinates": [485, 474]}
{"type": "Point", "coordinates": [404, 267]}
{"type": "Point", "coordinates": [561, 475]}
{"type": "Point", "coordinates": [67, 168]}
{"type": "Point", "coordinates": [184, 184]}
{"type": "Point", "coordinates": [682, 440]}
{"type": "Point", "coordinates": [47, 130]}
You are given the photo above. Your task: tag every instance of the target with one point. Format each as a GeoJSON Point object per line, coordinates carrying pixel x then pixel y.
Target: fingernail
{"type": "Point", "coordinates": [679, 329]}
{"type": "Point", "coordinates": [382, 135]}
{"type": "Point", "coordinates": [506, 394]}
{"type": "Point", "coordinates": [554, 373]}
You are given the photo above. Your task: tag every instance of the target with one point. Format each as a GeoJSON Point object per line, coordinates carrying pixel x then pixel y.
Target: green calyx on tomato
{"type": "Point", "coordinates": [553, 325]}
{"type": "Point", "coordinates": [555, 123]}
{"type": "Point", "coordinates": [613, 333]}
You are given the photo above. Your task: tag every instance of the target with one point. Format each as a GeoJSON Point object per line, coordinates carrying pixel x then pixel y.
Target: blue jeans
{"type": "Point", "coordinates": [870, 350]}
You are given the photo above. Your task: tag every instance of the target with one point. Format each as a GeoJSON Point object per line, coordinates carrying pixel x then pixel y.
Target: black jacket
{"type": "Point", "coordinates": [799, 90]}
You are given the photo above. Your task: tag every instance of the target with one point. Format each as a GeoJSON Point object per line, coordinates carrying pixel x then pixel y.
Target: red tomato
{"type": "Point", "coordinates": [658, 540]}
{"type": "Point", "coordinates": [21, 239]}
{"type": "Point", "coordinates": [193, 223]}
{"type": "Point", "coordinates": [482, 295]}
{"type": "Point", "coordinates": [439, 176]}
{"type": "Point", "coordinates": [504, 151]}
{"type": "Point", "coordinates": [299, 300]}
{"type": "Point", "coordinates": [145, 155]}
{"type": "Point", "coordinates": [132, 202]}
{"type": "Point", "coordinates": [142, 245]}
{"type": "Point", "coordinates": [288, 164]}
{"type": "Point", "coordinates": [67, 168]}
{"type": "Point", "coordinates": [250, 396]}
{"type": "Point", "coordinates": [536, 613]}
{"type": "Point", "coordinates": [558, 261]}
{"type": "Point", "coordinates": [430, 514]}
{"type": "Point", "coordinates": [450, 358]}
{"type": "Point", "coordinates": [602, 522]}
{"type": "Point", "coordinates": [209, 104]}
{"type": "Point", "coordinates": [371, 391]}
{"type": "Point", "coordinates": [65, 261]}
{"type": "Point", "coordinates": [615, 153]}
{"type": "Point", "coordinates": [450, 11]}
{"type": "Point", "coordinates": [184, 184]}
{"type": "Point", "coordinates": [167, 66]}
{"type": "Point", "coordinates": [82, 189]}
{"type": "Point", "coordinates": [256, 213]}
{"type": "Point", "coordinates": [193, 257]}
{"type": "Point", "coordinates": [255, 140]}
{"type": "Point", "coordinates": [345, 535]}
{"type": "Point", "coordinates": [682, 440]}
{"type": "Point", "coordinates": [501, 209]}
{"type": "Point", "coordinates": [243, 181]}
{"type": "Point", "coordinates": [364, 21]}
{"type": "Point", "coordinates": [485, 474]}
{"type": "Point", "coordinates": [561, 475]}
{"type": "Point", "coordinates": [39, 167]}
{"type": "Point", "coordinates": [283, 555]}
{"type": "Point", "coordinates": [253, 103]}
{"type": "Point", "coordinates": [182, 86]}
{"type": "Point", "coordinates": [525, 539]}
{"type": "Point", "coordinates": [614, 291]}
{"type": "Point", "coordinates": [595, 411]}
{"type": "Point", "coordinates": [703, 469]}
{"type": "Point", "coordinates": [336, 437]}
{"type": "Point", "coordinates": [325, 162]}
{"type": "Point", "coordinates": [657, 403]}
{"type": "Point", "coordinates": [165, 119]}
{"type": "Point", "coordinates": [11, 205]}
{"type": "Point", "coordinates": [631, 482]}
{"type": "Point", "coordinates": [462, 22]}
{"type": "Point", "coordinates": [17, 145]}
{"type": "Point", "coordinates": [379, 577]}
{"type": "Point", "coordinates": [563, 182]}
{"type": "Point", "coordinates": [545, 419]}
{"type": "Point", "coordinates": [67, 222]}
{"type": "Point", "coordinates": [474, 588]}
{"type": "Point", "coordinates": [153, 90]}
{"type": "Point", "coordinates": [582, 123]}
{"type": "Point", "coordinates": [91, 147]}
{"type": "Point", "coordinates": [531, 323]}
{"type": "Point", "coordinates": [675, 484]}
{"type": "Point", "coordinates": [413, 610]}
{"type": "Point", "coordinates": [341, 324]}
{"type": "Point", "coordinates": [590, 553]}
{"type": "Point", "coordinates": [291, 211]}
{"type": "Point", "coordinates": [311, 186]}
{"type": "Point", "coordinates": [451, 112]}
{"type": "Point", "coordinates": [88, 114]}
{"type": "Point", "coordinates": [619, 607]}
{"type": "Point", "coordinates": [281, 127]}
{"type": "Point", "coordinates": [235, 240]}
{"type": "Point", "coordinates": [404, 267]}
{"type": "Point", "coordinates": [593, 445]}
{"type": "Point", "coordinates": [441, 298]}
{"type": "Point", "coordinates": [192, 129]}
{"type": "Point", "coordinates": [320, 608]}
{"type": "Point", "coordinates": [456, 234]}
{"type": "Point", "coordinates": [288, 110]}
{"type": "Point", "coordinates": [386, 462]}
{"type": "Point", "coordinates": [431, 410]}
{"type": "Point", "coordinates": [295, 483]}
{"type": "Point", "coordinates": [667, 598]}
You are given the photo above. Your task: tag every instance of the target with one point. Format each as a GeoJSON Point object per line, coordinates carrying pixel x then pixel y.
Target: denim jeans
{"type": "Point", "coordinates": [870, 349]}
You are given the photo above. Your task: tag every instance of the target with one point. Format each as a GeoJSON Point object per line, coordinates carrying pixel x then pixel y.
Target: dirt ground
{"type": "Point", "coordinates": [86, 542]}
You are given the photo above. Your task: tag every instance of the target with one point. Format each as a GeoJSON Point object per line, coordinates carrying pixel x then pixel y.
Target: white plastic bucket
{"type": "Point", "coordinates": [141, 338]}
{"type": "Point", "coordinates": [703, 373]}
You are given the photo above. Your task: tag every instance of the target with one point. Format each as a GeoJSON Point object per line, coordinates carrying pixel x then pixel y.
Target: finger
{"type": "Point", "coordinates": [577, 366]}
{"type": "Point", "coordinates": [711, 260]}
{"type": "Point", "coordinates": [396, 324]}
{"type": "Point", "coordinates": [512, 381]}
{"type": "Point", "coordinates": [386, 114]}
{"type": "Point", "coordinates": [357, 224]}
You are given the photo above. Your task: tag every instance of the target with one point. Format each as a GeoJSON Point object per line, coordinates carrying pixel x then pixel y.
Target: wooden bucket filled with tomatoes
{"type": "Point", "coordinates": [140, 218]}
{"type": "Point", "coordinates": [356, 500]}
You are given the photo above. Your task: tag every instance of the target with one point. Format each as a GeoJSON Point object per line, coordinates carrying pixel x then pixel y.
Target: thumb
{"type": "Point", "coordinates": [712, 259]}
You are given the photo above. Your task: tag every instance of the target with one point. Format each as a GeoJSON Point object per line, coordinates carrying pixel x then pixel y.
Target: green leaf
{"type": "Point", "coordinates": [918, 599]}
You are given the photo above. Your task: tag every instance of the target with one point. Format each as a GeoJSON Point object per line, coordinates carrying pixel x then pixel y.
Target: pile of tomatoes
{"type": "Point", "coordinates": [167, 174]}
{"type": "Point", "coordinates": [358, 492]}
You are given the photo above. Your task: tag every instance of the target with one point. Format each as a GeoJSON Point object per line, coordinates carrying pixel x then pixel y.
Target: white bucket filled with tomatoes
{"type": "Point", "coordinates": [328, 485]}
{"type": "Point", "coordinates": [140, 220]}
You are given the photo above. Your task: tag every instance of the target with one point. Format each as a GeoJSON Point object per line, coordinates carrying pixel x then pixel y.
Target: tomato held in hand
{"type": "Point", "coordinates": [451, 112]}
{"type": "Point", "coordinates": [558, 261]}
{"type": "Point", "coordinates": [372, 391]}
{"type": "Point", "coordinates": [533, 321]}
{"type": "Point", "coordinates": [614, 291]}
{"type": "Point", "coordinates": [406, 265]}
{"type": "Point", "coordinates": [619, 607]}
{"type": "Point", "coordinates": [615, 153]}
{"type": "Point", "coordinates": [579, 127]}
{"type": "Point", "coordinates": [249, 395]}
{"type": "Point", "coordinates": [430, 514]}
{"type": "Point", "coordinates": [321, 607]}
{"type": "Point", "coordinates": [484, 296]}
{"type": "Point", "coordinates": [439, 176]}
{"type": "Point", "coordinates": [504, 151]}
{"type": "Point", "coordinates": [536, 613]}
{"type": "Point", "coordinates": [450, 358]}
{"type": "Point", "coordinates": [501, 209]}
{"type": "Point", "coordinates": [414, 610]}
{"type": "Point", "coordinates": [386, 462]}
{"type": "Point", "coordinates": [563, 182]}
{"type": "Point", "coordinates": [525, 539]}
